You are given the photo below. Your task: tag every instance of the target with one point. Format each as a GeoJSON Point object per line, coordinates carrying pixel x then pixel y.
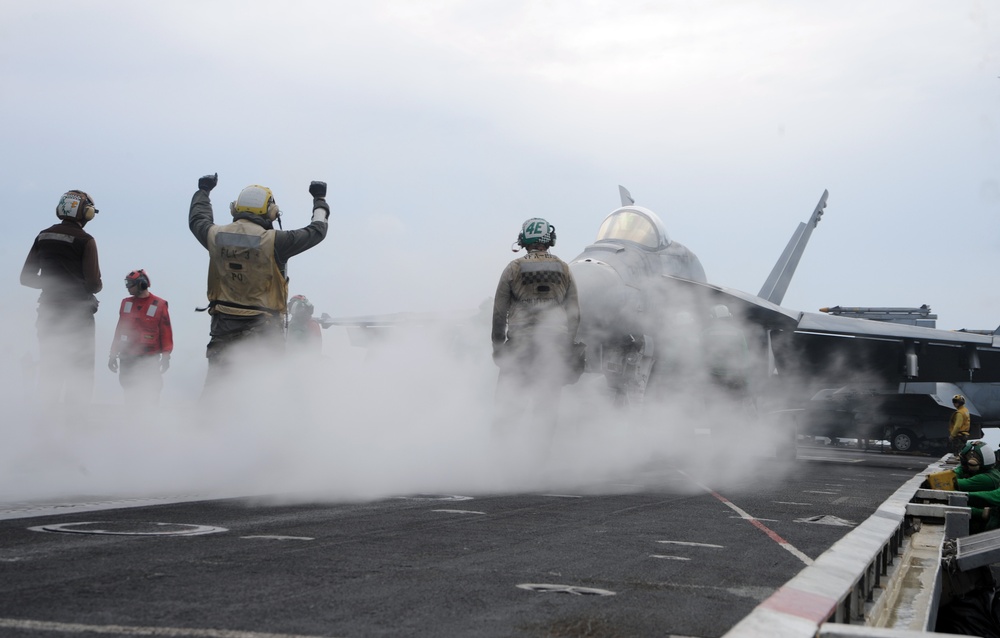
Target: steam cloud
{"type": "Point", "coordinates": [411, 414]}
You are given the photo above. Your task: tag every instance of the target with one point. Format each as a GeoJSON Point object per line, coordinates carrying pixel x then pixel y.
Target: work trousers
{"type": "Point", "coordinates": [66, 352]}
{"type": "Point", "coordinates": [238, 343]}
{"type": "Point", "coordinates": [140, 378]}
{"type": "Point", "coordinates": [529, 385]}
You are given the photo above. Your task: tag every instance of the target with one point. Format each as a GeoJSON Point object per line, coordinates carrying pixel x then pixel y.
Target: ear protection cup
{"type": "Point", "coordinates": [272, 210]}
{"type": "Point", "coordinates": [143, 282]}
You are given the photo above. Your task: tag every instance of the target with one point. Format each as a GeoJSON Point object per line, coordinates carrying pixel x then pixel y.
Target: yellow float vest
{"type": "Point", "coordinates": [243, 276]}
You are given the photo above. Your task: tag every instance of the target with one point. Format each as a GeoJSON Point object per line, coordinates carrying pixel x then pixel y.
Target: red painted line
{"type": "Point", "coordinates": [753, 521]}
{"type": "Point", "coordinates": [795, 602]}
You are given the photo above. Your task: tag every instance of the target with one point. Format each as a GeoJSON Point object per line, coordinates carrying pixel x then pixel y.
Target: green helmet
{"type": "Point", "coordinates": [537, 231]}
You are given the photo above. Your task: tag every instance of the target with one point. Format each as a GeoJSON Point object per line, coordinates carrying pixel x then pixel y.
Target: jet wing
{"type": "Point", "coordinates": [368, 330]}
{"type": "Point", "coordinates": [897, 351]}
{"type": "Point", "coordinates": [743, 304]}
{"type": "Point", "coordinates": [828, 324]}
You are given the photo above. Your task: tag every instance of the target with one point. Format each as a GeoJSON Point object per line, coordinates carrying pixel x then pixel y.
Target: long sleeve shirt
{"type": "Point", "coordinates": [63, 264]}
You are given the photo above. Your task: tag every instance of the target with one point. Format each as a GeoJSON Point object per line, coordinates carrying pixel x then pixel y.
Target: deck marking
{"type": "Point", "coordinates": [791, 549]}
{"type": "Point", "coordinates": [664, 557]}
{"type": "Point", "coordinates": [828, 459]}
{"type": "Point", "coordinates": [281, 538]}
{"type": "Point", "coordinates": [690, 544]}
{"type": "Point", "coordinates": [818, 492]}
{"type": "Point", "coordinates": [126, 630]}
{"type": "Point", "coordinates": [790, 503]}
{"type": "Point", "coordinates": [460, 512]}
{"type": "Point", "coordinates": [767, 520]}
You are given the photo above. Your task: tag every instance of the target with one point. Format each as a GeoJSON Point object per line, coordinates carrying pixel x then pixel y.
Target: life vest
{"type": "Point", "coordinates": [960, 422]}
{"type": "Point", "coordinates": [243, 275]}
{"type": "Point", "coordinates": [139, 326]}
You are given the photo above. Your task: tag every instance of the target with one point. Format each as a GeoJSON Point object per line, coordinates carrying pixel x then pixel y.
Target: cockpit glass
{"type": "Point", "coordinates": [630, 226]}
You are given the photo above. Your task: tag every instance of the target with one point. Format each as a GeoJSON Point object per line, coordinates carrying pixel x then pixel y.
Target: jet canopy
{"type": "Point", "coordinates": [634, 224]}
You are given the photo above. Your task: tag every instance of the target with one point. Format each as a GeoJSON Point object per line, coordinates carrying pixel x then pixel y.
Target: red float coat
{"type": "Point", "coordinates": [143, 327]}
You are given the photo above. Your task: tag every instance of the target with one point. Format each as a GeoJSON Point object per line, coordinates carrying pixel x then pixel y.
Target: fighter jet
{"type": "Point", "coordinates": [649, 318]}
{"type": "Point", "coordinates": [635, 308]}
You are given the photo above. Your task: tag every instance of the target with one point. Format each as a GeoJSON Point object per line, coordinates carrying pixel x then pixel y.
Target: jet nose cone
{"type": "Point", "coordinates": [602, 294]}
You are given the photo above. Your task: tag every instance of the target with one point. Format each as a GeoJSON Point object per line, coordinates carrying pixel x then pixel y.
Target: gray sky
{"type": "Point", "coordinates": [441, 125]}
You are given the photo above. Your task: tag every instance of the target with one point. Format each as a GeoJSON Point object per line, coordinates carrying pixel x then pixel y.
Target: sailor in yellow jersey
{"type": "Point", "coordinates": [247, 281]}
{"type": "Point", "coordinates": [959, 426]}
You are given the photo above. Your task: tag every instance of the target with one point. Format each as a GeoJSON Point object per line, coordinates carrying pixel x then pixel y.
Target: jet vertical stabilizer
{"type": "Point", "coordinates": [625, 195]}
{"type": "Point", "coordinates": [781, 275]}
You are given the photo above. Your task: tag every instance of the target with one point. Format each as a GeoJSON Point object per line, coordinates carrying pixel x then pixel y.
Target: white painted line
{"type": "Point", "coordinates": [818, 492]}
{"type": "Point", "coordinates": [791, 549]}
{"type": "Point", "coordinates": [828, 459]}
{"type": "Point", "coordinates": [790, 503]}
{"type": "Point", "coordinates": [838, 501]}
{"type": "Point", "coordinates": [689, 544]}
{"type": "Point", "coordinates": [9, 511]}
{"type": "Point", "coordinates": [125, 630]}
{"type": "Point", "coordinates": [668, 557]}
{"type": "Point", "coordinates": [187, 529]}
{"type": "Point", "coordinates": [460, 512]}
{"type": "Point", "coordinates": [769, 520]}
{"type": "Point", "coordinates": [435, 497]}
{"type": "Point", "coordinates": [282, 538]}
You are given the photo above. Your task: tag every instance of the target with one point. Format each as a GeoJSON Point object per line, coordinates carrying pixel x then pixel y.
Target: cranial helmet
{"type": "Point", "coordinates": [959, 399]}
{"type": "Point", "coordinates": [537, 231]}
{"type": "Point", "coordinates": [76, 205]}
{"type": "Point", "coordinates": [977, 456]}
{"type": "Point", "coordinates": [299, 306]}
{"type": "Point", "coordinates": [256, 200]}
{"type": "Point", "coordinates": [137, 278]}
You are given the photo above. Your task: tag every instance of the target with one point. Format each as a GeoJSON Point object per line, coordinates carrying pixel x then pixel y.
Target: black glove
{"type": "Point", "coordinates": [317, 189]}
{"type": "Point", "coordinates": [208, 182]}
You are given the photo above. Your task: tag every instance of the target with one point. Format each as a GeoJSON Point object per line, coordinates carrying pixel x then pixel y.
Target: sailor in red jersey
{"type": "Point", "coordinates": [140, 352]}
